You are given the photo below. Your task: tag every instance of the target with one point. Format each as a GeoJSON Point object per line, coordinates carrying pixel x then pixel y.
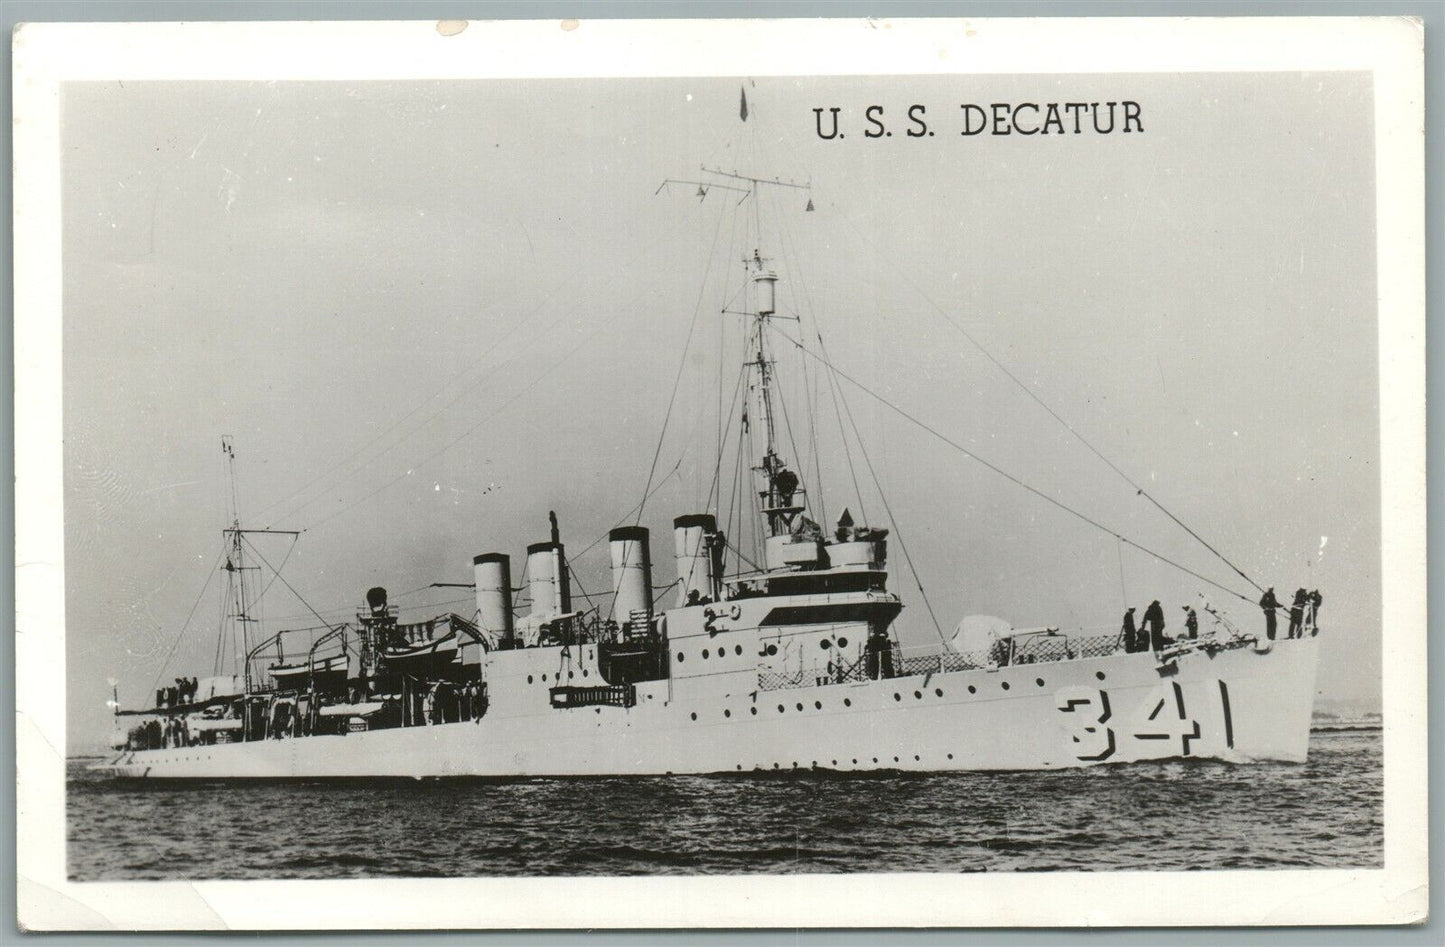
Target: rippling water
{"type": "Point", "coordinates": [1181, 815]}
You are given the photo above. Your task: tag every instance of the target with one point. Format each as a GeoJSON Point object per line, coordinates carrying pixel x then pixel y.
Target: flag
{"type": "Point", "coordinates": [743, 109]}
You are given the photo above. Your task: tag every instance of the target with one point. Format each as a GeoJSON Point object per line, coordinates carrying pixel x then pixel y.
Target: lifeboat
{"type": "Point", "coordinates": [321, 673]}
{"type": "Point", "coordinates": [423, 657]}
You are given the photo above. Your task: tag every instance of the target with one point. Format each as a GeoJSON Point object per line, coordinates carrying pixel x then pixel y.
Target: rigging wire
{"type": "Point", "coordinates": [681, 366]}
{"type": "Point", "coordinates": [1022, 386]}
{"type": "Point", "coordinates": [887, 509]}
{"type": "Point", "coordinates": [1005, 474]}
{"type": "Point", "coordinates": [191, 614]}
{"type": "Point", "coordinates": [284, 582]}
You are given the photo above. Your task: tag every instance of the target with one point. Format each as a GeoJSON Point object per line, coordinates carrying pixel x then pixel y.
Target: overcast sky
{"type": "Point", "coordinates": [430, 312]}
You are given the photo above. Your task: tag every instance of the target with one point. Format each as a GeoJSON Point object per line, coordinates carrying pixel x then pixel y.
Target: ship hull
{"type": "Point", "coordinates": [1239, 705]}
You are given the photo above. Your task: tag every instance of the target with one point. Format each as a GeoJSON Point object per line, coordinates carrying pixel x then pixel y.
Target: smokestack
{"type": "Point", "coordinates": [492, 572]}
{"type": "Point", "coordinates": [694, 557]}
{"type": "Point", "coordinates": [631, 571]}
{"type": "Point", "coordinates": [547, 578]}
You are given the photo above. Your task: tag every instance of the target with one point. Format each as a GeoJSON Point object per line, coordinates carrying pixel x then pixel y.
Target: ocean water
{"type": "Point", "coordinates": [1147, 816]}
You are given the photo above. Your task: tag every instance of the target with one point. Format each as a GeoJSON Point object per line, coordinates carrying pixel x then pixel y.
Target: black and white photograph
{"type": "Point", "coordinates": [693, 469]}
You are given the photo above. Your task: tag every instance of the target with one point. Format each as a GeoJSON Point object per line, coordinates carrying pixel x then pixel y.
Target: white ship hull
{"type": "Point", "coordinates": [1240, 705]}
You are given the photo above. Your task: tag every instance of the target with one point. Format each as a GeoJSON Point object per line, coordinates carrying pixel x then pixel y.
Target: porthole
{"type": "Point", "coordinates": [972, 689]}
{"type": "Point", "coordinates": [753, 711]}
{"type": "Point", "coordinates": [694, 716]}
{"type": "Point", "coordinates": [679, 657]}
{"type": "Point", "coordinates": [775, 766]}
{"type": "Point", "coordinates": [704, 654]}
{"type": "Point", "coordinates": [842, 642]}
{"type": "Point", "coordinates": [825, 644]}
{"type": "Point", "coordinates": [584, 672]}
{"type": "Point", "coordinates": [817, 705]}
{"type": "Point", "coordinates": [1099, 675]}
{"type": "Point", "coordinates": [727, 713]}
{"type": "Point", "coordinates": [737, 649]}
{"type": "Point", "coordinates": [938, 691]}
{"type": "Point", "coordinates": [897, 696]}
{"type": "Point", "coordinates": [950, 756]}
{"type": "Point", "coordinates": [529, 678]}
{"type": "Point", "coordinates": [772, 650]}
{"type": "Point", "coordinates": [855, 761]}
{"type": "Point", "coordinates": [918, 695]}
{"type": "Point", "coordinates": [781, 708]}
{"type": "Point", "coordinates": [1005, 685]}
{"type": "Point", "coordinates": [544, 678]}
{"type": "Point", "coordinates": [847, 702]}
{"type": "Point", "coordinates": [570, 675]}
{"type": "Point", "coordinates": [875, 759]}
{"type": "Point", "coordinates": [800, 706]}
{"type": "Point", "coordinates": [915, 757]}
{"type": "Point", "coordinates": [895, 759]}
{"type": "Point", "coordinates": [1039, 681]}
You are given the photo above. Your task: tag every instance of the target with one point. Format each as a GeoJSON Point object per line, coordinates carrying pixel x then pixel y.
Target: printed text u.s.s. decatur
{"type": "Point", "coordinates": [968, 119]}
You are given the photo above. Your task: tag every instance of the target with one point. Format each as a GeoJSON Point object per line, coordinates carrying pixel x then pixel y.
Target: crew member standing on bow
{"type": "Point", "coordinates": [1154, 622]}
{"type": "Point", "coordinates": [1269, 603]}
{"type": "Point", "coordinates": [1297, 614]}
{"type": "Point", "coordinates": [1191, 623]}
{"type": "Point", "coordinates": [1129, 633]}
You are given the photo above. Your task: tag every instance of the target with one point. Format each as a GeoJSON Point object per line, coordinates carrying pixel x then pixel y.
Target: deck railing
{"type": "Point", "coordinates": [937, 659]}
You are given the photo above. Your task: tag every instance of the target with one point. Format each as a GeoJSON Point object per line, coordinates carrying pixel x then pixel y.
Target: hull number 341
{"type": "Point", "coordinates": [1164, 722]}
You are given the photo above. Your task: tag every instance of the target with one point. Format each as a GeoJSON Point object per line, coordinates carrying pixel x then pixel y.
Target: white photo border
{"type": "Point", "coordinates": [48, 55]}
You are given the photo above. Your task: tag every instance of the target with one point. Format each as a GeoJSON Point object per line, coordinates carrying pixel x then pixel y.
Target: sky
{"type": "Point", "coordinates": [428, 313]}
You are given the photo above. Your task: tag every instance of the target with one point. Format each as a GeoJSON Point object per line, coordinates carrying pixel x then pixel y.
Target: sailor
{"type": "Point", "coordinates": [1297, 613]}
{"type": "Point", "coordinates": [1269, 603]}
{"type": "Point", "coordinates": [1191, 623]}
{"type": "Point", "coordinates": [1154, 622]}
{"type": "Point", "coordinates": [1129, 633]}
{"type": "Point", "coordinates": [1316, 600]}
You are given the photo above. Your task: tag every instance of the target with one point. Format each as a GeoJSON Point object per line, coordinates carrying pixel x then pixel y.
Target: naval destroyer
{"type": "Point", "coordinates": [785, 660]}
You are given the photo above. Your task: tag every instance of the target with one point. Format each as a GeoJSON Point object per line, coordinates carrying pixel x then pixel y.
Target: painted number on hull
{"type": "Point", "coordinates": [1092, 740]}
{"type": "Point", "coordinates": [1162, 720]}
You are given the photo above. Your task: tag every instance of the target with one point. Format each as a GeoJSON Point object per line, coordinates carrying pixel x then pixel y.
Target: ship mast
{"type": "Point", "coordinates": [238, 593]}
{"type": "Point", "coordinates": [778, 487]}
